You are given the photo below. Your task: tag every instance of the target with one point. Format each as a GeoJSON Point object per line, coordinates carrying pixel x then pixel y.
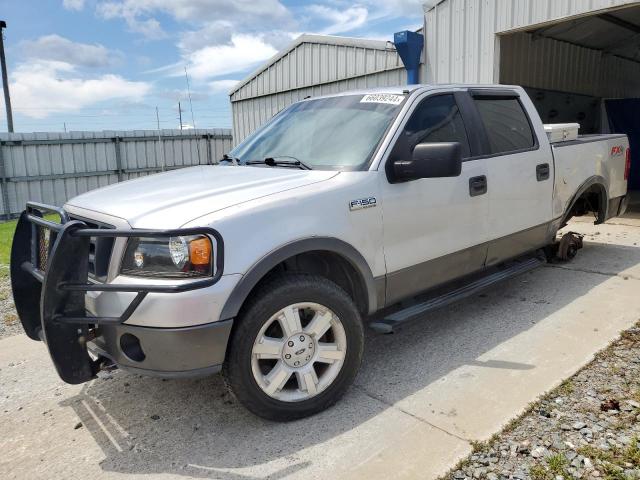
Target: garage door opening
{"type": "Point", "coordinates": [585, 70]}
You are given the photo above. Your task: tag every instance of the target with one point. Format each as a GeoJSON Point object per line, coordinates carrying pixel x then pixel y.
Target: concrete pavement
{"type": "Point", "coordinates": [422, 396]}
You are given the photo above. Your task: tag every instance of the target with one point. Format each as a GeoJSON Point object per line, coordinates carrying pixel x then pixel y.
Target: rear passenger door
{"type": "Point", "coordinates": [519, 175]}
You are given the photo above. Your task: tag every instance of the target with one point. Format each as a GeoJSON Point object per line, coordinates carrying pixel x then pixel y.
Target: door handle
{"type": "Point", "coordinates": [542, 172]}
{"type": "Point", "coordinates": [477, 186]}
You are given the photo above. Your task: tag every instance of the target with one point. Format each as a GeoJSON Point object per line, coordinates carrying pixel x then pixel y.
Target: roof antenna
{"type": "Point", "coordinates": [193, 120]}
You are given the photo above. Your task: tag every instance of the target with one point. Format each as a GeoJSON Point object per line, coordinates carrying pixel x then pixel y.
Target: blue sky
{"type": "Point", "coordinates": [107, 64]}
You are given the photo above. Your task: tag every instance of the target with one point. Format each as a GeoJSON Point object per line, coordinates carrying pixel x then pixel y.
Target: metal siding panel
{"type": "Point", "coordinates": [307, 65]}
{"type": "Point", "coordinates": [90, 157]}
{"type": "Point", "coordinates": [361, 61]}
{"type": "Point", "coordinates": [444, 39]}
{"type": "Point", "coordinates": [272, 79]}
{"type": "Point", "coordinates": [487, 41]}
{"type": "Point", "coordinates": [461, 40]}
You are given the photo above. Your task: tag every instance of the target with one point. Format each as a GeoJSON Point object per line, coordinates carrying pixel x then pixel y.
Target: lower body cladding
{"type": "Point", "coordinates": [165, 352]}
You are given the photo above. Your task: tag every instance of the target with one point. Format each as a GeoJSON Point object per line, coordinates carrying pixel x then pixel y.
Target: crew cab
{"type": "Point", "coordinates": [361, 208]}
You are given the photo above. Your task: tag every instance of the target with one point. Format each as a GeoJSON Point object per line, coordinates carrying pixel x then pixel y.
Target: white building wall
{"type": "Point", "coordinates": [461, 41]}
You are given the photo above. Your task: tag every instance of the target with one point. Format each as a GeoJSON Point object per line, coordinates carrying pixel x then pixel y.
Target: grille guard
{"type": "Point", "coordinates": [50, 302]}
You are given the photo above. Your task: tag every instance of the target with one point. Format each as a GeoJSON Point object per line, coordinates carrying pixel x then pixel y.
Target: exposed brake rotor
{"type": "Point", "coordinates": [569, 245]}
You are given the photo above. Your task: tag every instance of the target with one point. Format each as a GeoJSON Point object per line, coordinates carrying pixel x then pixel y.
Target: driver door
{"type": "Point", "coordinates": [435, 229]}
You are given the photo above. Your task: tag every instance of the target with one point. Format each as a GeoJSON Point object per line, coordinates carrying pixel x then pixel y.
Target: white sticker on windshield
{"type": "Point", "coordinates": [389, 98]}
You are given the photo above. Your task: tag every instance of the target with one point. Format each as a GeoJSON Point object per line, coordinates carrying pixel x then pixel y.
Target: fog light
{"type": "Point", "coordinates": [130, 346]}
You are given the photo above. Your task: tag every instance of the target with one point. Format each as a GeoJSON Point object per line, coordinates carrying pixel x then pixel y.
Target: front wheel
{"type": "Point", "coordinates": [295, 349]}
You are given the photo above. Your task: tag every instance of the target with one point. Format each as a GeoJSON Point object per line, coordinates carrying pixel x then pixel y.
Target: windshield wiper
{"type": "Point", "coordinates": [272, 162]}
{"type": "Point", "coordinates": [230, 158]}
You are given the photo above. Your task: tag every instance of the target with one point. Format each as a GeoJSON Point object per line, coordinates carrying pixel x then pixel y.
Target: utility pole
{"type": "Point", "coordinates": [180, 114]}
{"type": "Point", "coordinates": [5, 81]}
{"type": "Point", "coordinates": [162, 167]}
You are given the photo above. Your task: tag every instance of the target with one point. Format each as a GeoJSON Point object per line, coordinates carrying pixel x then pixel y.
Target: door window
{"type": "Point", "coordinates": [506, 124]}
{"type": "Point", "coordinates": [436, 119]}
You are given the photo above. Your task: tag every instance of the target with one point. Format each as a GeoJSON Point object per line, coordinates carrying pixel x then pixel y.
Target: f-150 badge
{"type": "Point", "coordinates": [362, 203]}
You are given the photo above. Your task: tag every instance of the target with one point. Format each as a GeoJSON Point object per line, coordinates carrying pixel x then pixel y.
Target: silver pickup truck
{"type": "Point", "coordinates": [363, 208]}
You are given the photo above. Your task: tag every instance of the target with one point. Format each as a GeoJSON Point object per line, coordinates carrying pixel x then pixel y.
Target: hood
{"type": "Point", "coordinates": [171, 199]}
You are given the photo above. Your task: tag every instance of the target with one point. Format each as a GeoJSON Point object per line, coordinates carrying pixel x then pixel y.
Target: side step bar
{"type": "Point", "coordinates": [391, 322]}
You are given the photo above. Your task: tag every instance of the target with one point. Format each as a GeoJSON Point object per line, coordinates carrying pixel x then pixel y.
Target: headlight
{"type": "Point", "coordinates": [174, 257]}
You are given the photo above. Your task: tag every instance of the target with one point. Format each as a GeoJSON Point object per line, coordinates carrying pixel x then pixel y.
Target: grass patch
{"type": "Point", "coordinates": [538, 472]}
{"type": "Point", "coordinates": [567, 387]}
{"type": "Point", "coordinates": [556, 464]}
{"type": "Point", "coordinates": [614, 461]}
{"type": "Point", "coordinates": [7, 230]}
{"type": "Point", "coordinates": [6, 238]}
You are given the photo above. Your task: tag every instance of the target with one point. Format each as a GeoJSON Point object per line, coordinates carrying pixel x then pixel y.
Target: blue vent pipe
{"type": "Point", "coordinates": [409, 47]}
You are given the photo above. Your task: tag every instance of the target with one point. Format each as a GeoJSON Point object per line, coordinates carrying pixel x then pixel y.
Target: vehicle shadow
{"type": "Point", "coordinates": [195, 428]}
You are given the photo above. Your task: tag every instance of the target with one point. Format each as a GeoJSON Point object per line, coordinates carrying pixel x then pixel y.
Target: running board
{"type": "Point", "coordinates": [394, 320]}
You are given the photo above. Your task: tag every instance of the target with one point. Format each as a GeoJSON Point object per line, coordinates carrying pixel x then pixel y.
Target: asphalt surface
{"type": "Point", "coordinates": [423, 394]}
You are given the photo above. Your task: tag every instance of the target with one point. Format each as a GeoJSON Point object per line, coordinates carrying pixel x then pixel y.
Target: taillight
{"type": "Point", "coordinates": [627, 164]}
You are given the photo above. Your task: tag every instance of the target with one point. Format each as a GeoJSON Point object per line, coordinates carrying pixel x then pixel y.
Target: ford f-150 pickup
{"type": "Point", "coordinates": [366, 207]}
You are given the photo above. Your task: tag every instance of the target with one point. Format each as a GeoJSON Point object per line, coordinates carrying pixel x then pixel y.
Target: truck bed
{"type": "Point", "coordinates": [578, 161]}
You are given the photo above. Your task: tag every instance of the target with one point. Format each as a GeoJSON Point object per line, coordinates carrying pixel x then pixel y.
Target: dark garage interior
{"type": "Point", "coordinates": [584, 70]}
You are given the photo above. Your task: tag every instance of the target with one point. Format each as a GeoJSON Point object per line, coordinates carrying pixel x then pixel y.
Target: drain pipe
{"type": "Point", "coordinates": [409, 47]}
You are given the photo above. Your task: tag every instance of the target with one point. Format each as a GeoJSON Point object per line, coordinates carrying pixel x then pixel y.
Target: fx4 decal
{"type": "Point", "coordinates": [617, 151]}
{"type": "Point", "coordinates": [362, 203]}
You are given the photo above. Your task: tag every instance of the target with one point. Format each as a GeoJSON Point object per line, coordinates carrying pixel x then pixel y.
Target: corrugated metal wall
{"type": "Point", "coordinates": [461, 42]}
{"type": "Point", "coordinates": [550, 64]}
{"type": "Point", "coordinates": [53, 167]}
{"type": "Point", "coordinates": [315, 66]}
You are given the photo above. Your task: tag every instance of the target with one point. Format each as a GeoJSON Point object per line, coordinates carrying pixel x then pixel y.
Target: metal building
{"type": "Point", "coordinates": [578, 59]}
{"type": "Point", "coordinates": [312, 65]}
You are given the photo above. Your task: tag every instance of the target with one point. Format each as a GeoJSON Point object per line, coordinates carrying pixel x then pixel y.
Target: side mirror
{"type": "Point", "coordinates": [430, 160]}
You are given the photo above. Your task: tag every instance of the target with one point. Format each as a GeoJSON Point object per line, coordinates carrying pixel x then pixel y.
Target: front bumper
{"type": "Point", "coordinates": [50, 297]}
{"type": "Point", "coordinates": [165, 352]}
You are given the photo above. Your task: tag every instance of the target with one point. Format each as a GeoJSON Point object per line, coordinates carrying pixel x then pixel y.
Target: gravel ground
{"type": "Point", "coordinates": [588, 428]}
{"type": "Point", "coordinates": [9, 322]}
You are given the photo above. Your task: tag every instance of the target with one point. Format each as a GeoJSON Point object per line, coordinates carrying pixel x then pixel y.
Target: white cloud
{"type": "Point", "coordinates": [41, 88]}
{"type": "Point", "coordinates": [148, 27]}
{"type": "Point", "coordinates": [139, 14]}
{"type": "Point", "coordinates": [340, 20]}
{"type": "Point", "coordinates": [222, 86]}
{"type": "Point", "coordinates": [57, 48]}
{"type": "Point", "coordinates": [244, 51]}
{"type": "Point", "coordinates": [212, 33]}
{"type": "Point", "coordinates": [73, 4]}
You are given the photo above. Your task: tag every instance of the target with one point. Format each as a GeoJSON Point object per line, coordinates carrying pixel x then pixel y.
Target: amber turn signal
{"type": "Point", "coordinates": [200, 251]}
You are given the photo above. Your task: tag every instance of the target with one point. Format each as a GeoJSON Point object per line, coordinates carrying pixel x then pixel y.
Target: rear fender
{"type": "Point", "coordinates": [603, 205]}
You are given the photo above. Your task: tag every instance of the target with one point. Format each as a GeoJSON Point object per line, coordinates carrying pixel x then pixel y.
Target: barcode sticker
{"type": "Point", "coordinates": [389, 98]}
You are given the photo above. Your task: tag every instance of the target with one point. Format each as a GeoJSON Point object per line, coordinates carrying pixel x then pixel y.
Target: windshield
{"type": "Point", "coordinates": [328, 133]}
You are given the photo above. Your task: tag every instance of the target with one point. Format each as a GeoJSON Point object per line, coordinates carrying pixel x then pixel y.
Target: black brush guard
{"type": "Point", "coordinates": [50, 298]}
